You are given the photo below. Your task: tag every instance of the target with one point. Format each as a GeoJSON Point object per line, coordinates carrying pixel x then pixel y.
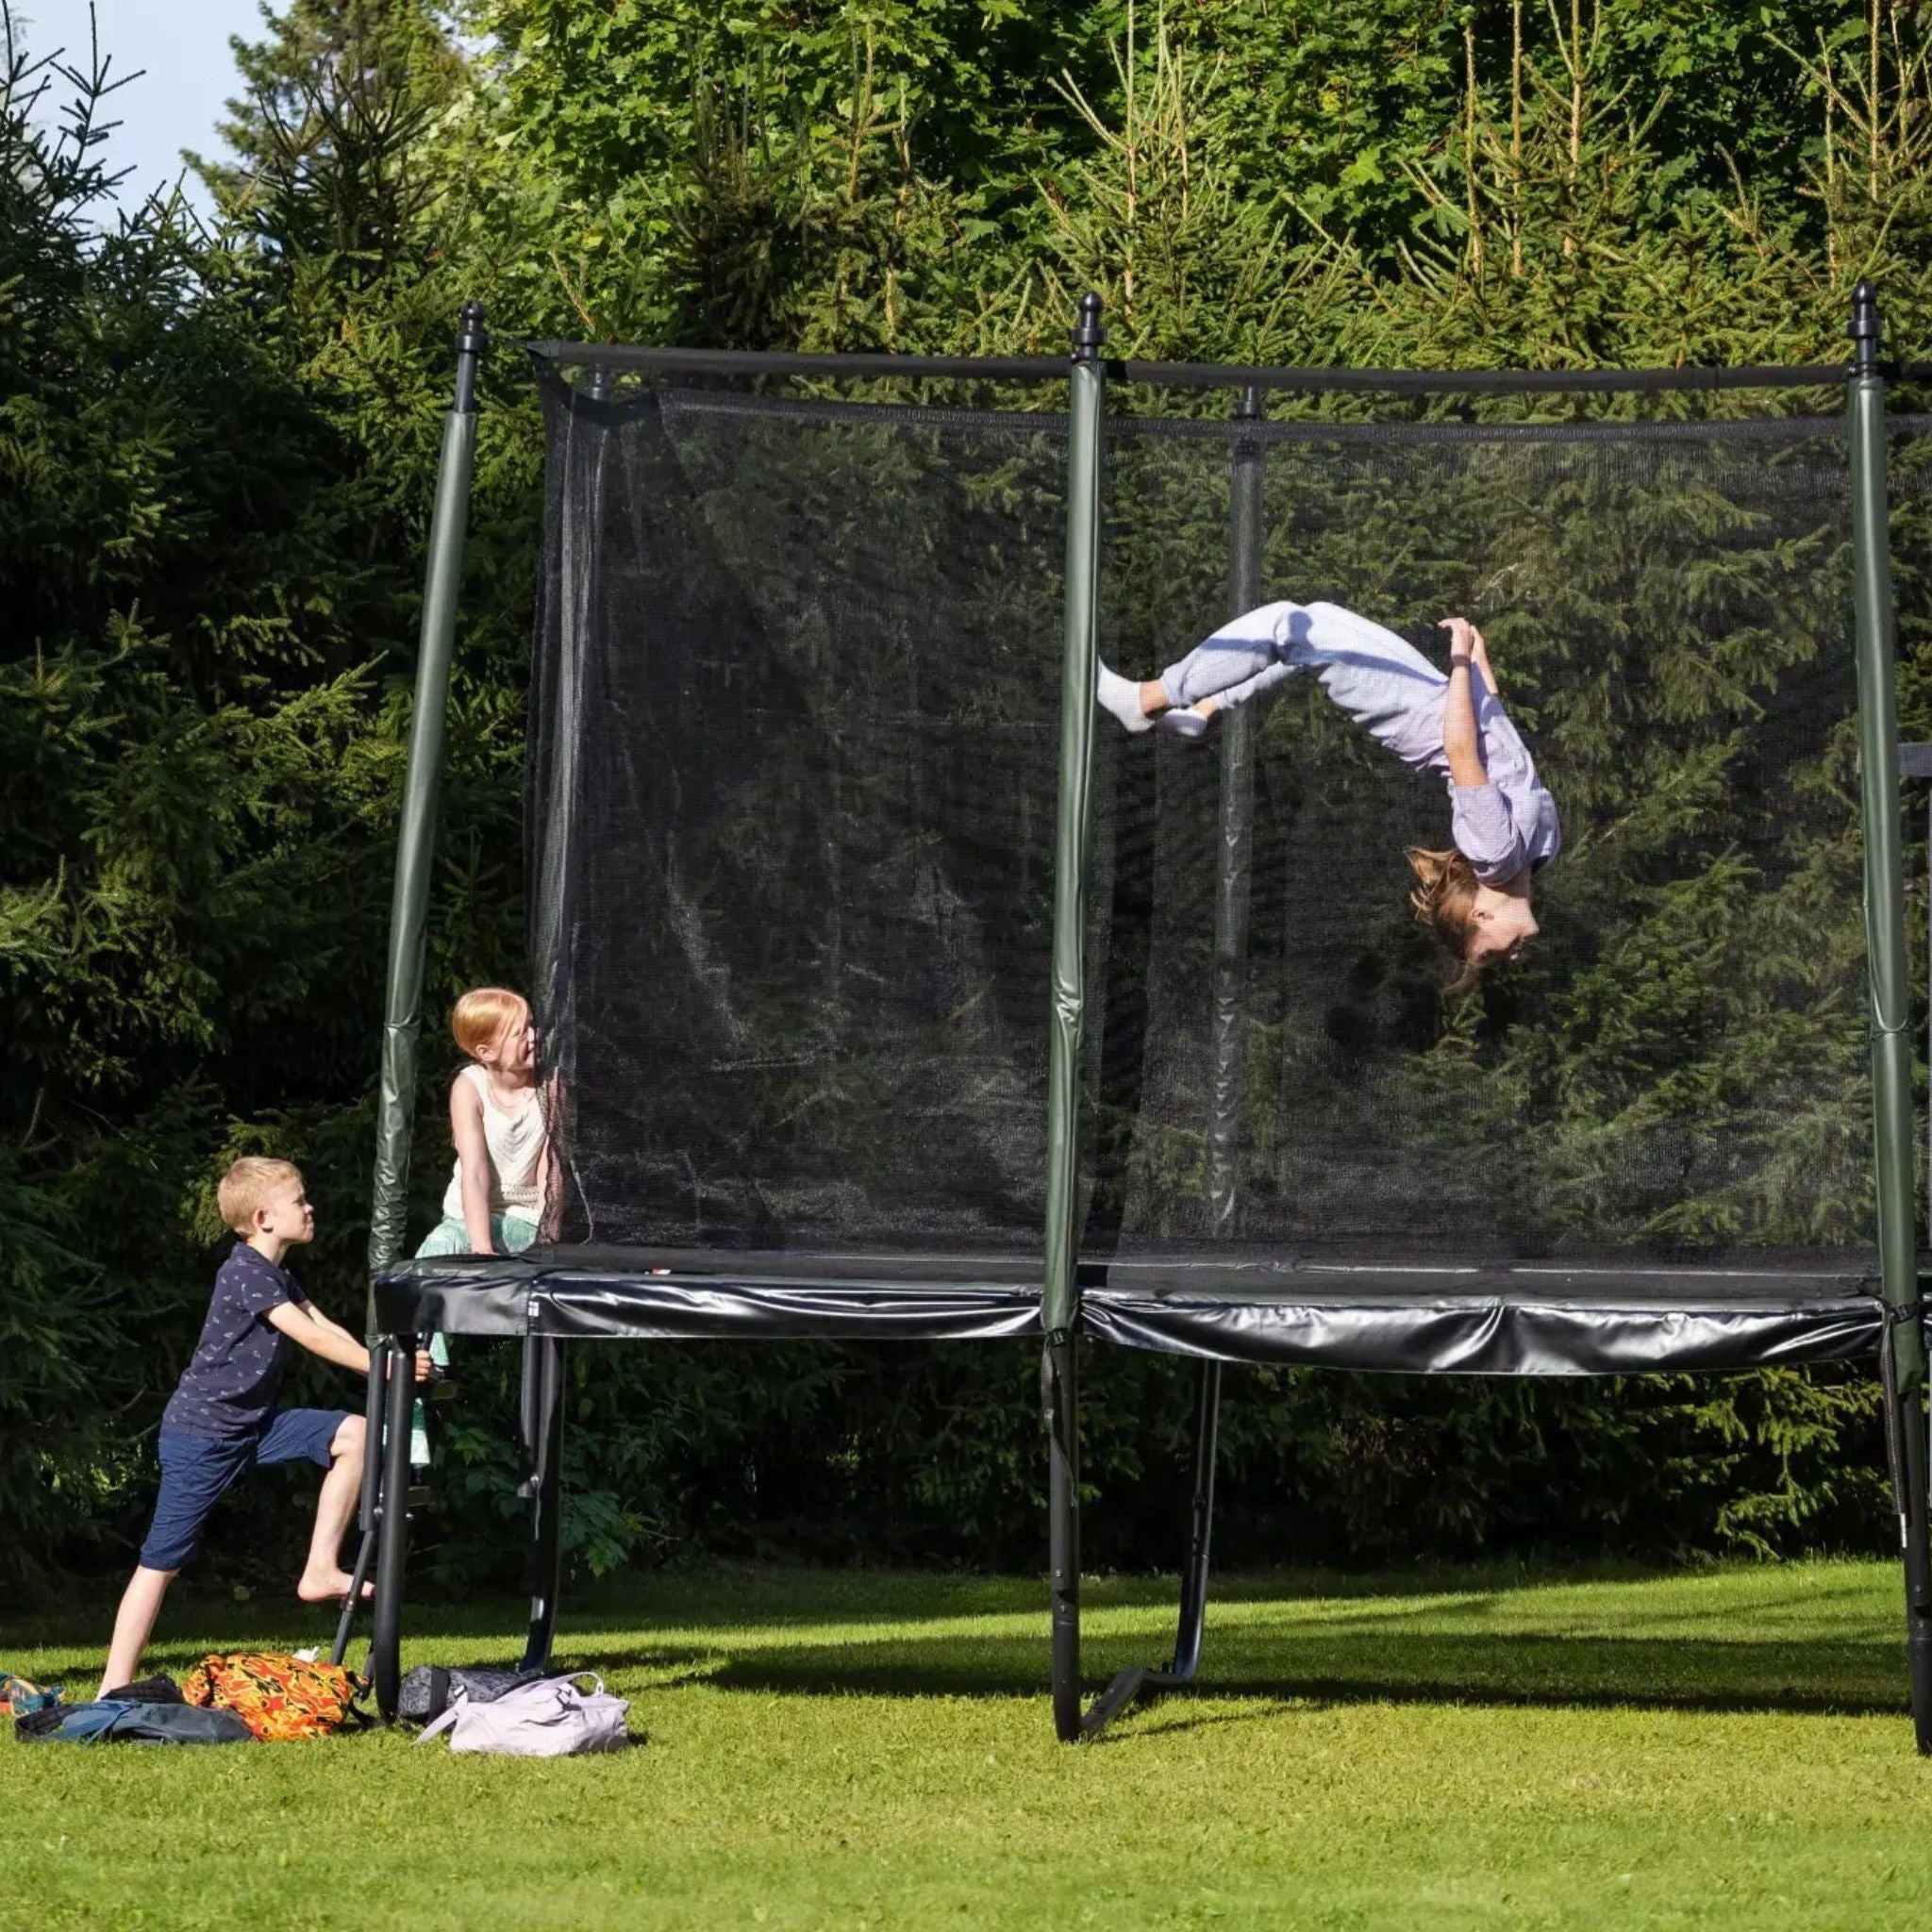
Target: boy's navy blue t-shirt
{"type": "Point", "coordinates": [230, 1387]}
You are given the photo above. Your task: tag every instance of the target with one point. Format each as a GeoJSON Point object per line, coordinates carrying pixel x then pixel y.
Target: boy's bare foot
{"type": "Point", "coordinates": [328, 1586]}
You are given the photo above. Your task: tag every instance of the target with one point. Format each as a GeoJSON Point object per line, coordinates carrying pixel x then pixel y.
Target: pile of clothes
{"type": "Point", "coordinates": [230, 1698]}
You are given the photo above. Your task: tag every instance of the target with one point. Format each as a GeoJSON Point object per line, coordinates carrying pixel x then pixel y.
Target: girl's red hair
{"type": "Point", "coordinates": [478, 1019]}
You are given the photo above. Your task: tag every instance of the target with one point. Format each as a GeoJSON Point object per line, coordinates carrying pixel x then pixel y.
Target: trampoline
{"type": "Point", "coordinates": [887, 990]}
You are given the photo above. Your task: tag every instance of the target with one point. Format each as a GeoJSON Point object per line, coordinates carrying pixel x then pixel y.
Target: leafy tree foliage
{"type": "Point", "coordinates": [216, 450]}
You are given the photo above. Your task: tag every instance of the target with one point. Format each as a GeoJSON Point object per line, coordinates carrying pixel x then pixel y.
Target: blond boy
{"type": "Point", "coordinates": [223, 1419]}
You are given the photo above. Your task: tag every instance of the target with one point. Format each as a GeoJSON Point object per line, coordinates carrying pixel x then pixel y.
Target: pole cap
{"type": "Point", "coordinates": [470, 329]}
{"type": "Point", "coordinates": [1866, 327]}
{"type": "Point", "coordinates": [1087, 334]}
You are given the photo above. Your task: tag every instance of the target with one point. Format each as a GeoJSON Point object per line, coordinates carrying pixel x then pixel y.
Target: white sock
{"type": "Point", "coordinates": [1122, 696]}
{"type": "Point", "coordinates": [1184, 721]}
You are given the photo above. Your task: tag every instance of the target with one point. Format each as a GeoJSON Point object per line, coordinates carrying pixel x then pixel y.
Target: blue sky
{"type": "Point", "coordinates": [183, 44]}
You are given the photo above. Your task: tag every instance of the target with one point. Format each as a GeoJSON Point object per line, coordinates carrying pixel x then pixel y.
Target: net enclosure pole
{"type": "Point", "coordinates": [1079, 663]}
{"type": "Point", "coordinates": [1903, 1365]}
{"type": "Point", "coordinates": [416, 836]}
{"type": "Point", "coordinates": [1233, 862]}
{"type": "Point", "coordinates": [1079, 654]}
{"type": "Point", "coordinates": [1885, 897]}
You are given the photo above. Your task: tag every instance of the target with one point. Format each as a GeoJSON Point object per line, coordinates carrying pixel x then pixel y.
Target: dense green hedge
{"type": "Point", "coordinates": [216, 449]}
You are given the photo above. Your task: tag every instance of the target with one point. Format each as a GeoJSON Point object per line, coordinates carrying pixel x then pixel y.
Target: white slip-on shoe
{"type": "Point", "coordinates": [1122, 696]}
{"type": "Point", "coordinates": [1185, 722]}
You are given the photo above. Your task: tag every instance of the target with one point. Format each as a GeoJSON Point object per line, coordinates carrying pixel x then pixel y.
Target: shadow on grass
{"type": "Point", "coordinates": [1519, 1671]}
{"type": "Point", "coordinates": [1331, 1639]}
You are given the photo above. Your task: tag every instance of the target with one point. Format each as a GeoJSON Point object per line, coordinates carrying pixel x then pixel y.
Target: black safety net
{"type": "Point", "coordinates": [791, 788]}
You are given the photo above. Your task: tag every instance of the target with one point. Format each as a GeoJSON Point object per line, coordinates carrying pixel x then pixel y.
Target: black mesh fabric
{"type": "Point", "coordinates": [1677, 1066]}
{"type": "Point", "coordinates": [791, 799]}
{"type": "Point", "coordinates": [792, 808]}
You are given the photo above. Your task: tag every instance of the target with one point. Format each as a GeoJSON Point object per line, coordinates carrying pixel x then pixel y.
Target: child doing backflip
{"type": "Point", "coordinates": [1477, 895]}
{"type": "Point", "coordinates": [222, 1419]}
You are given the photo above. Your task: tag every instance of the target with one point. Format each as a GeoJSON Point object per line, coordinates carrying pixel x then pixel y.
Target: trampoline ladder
{"type": "Point", "coordinates": [369, 1511]}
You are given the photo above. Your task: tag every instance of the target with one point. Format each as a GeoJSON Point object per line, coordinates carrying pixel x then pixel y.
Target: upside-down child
{"type": "Point", "coordinates": [223, 1419]}
{"type": "Point", "coordinates": [1475, 896]}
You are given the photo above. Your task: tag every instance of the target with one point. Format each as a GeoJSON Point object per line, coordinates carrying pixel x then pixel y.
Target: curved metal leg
{"type": "Point", "coordinates": [393, 1534]}
{"type": "Point", "coordinates": [369, 1511]}
{"type": "Point", "coordinates": [543, 1410]}
{"type": "Point", "coordinates": [1188, 1634]}
{"type": "Point", "coordinates": [1909, 1418]}
{"type": "Point", "coordinates": [1906, 1452]}
{"type": "Point", "coordinates": [1059, 1400]}
{"type": "Point", "coordinates": [1138, 1682]}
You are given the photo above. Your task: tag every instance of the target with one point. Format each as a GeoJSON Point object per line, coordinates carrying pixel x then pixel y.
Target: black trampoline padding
{"type": "Point", "coordinates": [1552, 1318]}
{"type": "Point", "coordinates": [669, 1295]}
{"type": "Point", "coordinates": [1501, 1319]}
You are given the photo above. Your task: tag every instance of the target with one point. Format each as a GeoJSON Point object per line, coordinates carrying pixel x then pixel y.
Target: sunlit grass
{"type": "Point", "coordinates": [1482, 1748]}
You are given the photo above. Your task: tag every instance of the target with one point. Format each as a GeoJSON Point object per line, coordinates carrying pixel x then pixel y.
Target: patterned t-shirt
{"type": "Point", "coordinates": [230, 1387]}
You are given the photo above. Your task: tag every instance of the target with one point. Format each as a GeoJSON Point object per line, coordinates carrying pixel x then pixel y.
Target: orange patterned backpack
{"type": "Point", "coordinates": [276, 1697]}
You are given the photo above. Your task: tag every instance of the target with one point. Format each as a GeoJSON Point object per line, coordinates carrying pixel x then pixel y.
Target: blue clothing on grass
{"type": "Point", "coordinates": [198, 1471]}
{"type": "Point", "coordinates": [121, 1720]}
{"type": "Point", "coordinates": [1390, 689]}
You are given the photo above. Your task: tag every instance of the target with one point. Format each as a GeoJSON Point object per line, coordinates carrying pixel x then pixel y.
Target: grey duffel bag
{"type": "Point", "coordinates": [429, 1690]}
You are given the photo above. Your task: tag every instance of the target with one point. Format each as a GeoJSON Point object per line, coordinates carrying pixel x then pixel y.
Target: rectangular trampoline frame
{"type": "Point", "coordinates": [1502, 1318]}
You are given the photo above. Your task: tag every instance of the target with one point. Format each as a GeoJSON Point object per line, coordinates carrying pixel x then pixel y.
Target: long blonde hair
{"type": "Point", "coordinates": [1444, 900]}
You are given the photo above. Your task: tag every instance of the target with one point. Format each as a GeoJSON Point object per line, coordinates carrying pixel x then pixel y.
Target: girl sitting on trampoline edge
{"type": "Point", "coordinates": [494, 1200]}
{"type": "Point", "coordinates": [496, 1119]}
{"type": "Point", "coordinates": [1474, 896]}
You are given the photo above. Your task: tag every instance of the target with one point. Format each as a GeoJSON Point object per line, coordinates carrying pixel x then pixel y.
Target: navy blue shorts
{"type": "Point", "coordinates": [197, 1471]}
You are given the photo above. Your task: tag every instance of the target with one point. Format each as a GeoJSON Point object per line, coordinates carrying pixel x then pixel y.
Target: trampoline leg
{"type": "Point", "coordinates": [1918, 1557]}
{"type": "Point", "coordinates": [392, 1531]}
{"type": "Point", "coordinates": [1060, 1402]}
{"type": "Point", "coordinates": [369, 1511]}
{"type": "Point", "coordinates": [1186, 1642]}
{"type": "Point", "coordinates": [1137, 1682]}
{"type": "Point", "coordinates": [543, 1410]}
{"type": "Point", "coordinates": [526, 1417]}
{"type": "Point", "coordinates": [1906, 1456]}
{"type": "Point", "coordinates": [1905, 1424]}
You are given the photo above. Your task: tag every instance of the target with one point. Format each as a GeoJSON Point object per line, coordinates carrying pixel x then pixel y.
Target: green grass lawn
{"type": "Point", "coordinates": [1484, 1748]}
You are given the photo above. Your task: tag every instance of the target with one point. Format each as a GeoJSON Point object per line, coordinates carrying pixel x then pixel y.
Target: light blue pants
{"type": "Point", "coordinates": [1385, 684]}
{"type": "Point", "coordinates": [511, 1234]}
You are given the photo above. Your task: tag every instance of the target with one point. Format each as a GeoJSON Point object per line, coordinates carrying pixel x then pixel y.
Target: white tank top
{"type": "Point", "coordinates": [514, 1136]}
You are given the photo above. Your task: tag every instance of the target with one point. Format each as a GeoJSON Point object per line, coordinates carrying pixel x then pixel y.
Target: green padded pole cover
{"type": "Point", "coordinates": [416, 839]}
{"type": "Point", "coordinates": [1080, 651]}
{"type": "Point", "coordinates": [1885, 893]}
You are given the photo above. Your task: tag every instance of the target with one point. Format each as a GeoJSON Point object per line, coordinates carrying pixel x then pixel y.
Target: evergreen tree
{"type": "Point", "coordinates": [214, 485]}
